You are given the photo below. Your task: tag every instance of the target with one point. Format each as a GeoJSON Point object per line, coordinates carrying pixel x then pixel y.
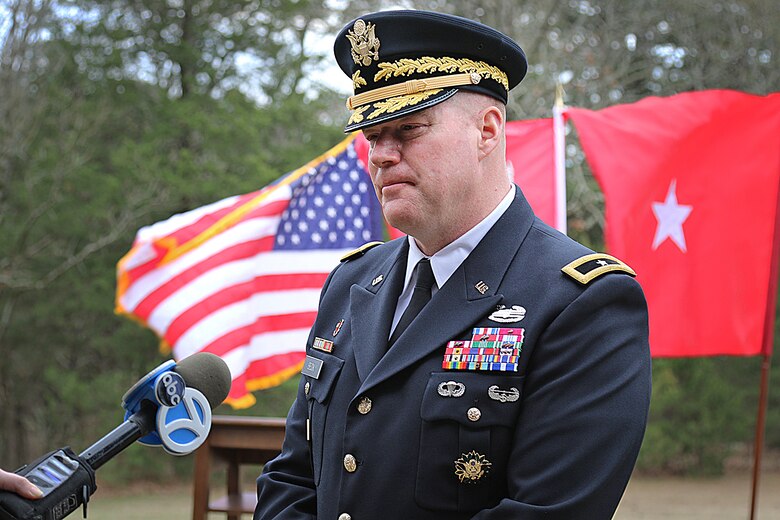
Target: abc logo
{"type": "Point", "coordinates": [169, 388]}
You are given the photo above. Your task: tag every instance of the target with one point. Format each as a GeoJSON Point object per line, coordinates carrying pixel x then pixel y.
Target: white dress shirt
{"type": "Point", "coordinates": [449, 258]}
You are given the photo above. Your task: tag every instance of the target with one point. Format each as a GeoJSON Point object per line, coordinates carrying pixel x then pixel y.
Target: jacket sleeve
{"type": "Point", "coordinates": [585, 406]}
{"type": "Point", "coordinates": [285, 489]}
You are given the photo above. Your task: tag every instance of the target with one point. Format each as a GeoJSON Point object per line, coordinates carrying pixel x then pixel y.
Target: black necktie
{"type": "Point", "coordinates": [420, 296]}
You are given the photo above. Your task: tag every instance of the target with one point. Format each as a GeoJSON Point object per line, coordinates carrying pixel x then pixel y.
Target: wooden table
{"type": "Point", "coordinates": [236, 441]}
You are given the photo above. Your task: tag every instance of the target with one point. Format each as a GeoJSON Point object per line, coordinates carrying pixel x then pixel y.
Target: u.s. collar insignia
{"type": "Point", "coordinates": [365, 44]}
{"type": "Point", "coordinates": [471, 467]}
{"type": "Point", "coordinates": [507, 315]}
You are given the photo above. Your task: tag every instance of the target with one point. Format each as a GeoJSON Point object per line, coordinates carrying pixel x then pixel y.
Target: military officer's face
{"type": "Point", "coordinates": [425, 171]}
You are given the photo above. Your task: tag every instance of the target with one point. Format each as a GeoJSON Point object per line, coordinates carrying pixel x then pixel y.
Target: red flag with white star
{"type": "Point", "coordinates": [691, 192]}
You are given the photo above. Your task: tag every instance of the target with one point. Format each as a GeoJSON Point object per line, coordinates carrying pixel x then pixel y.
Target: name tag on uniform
{"type": "Point", "coordinates": [312, 367]}
{"type": "Point", "coordinates": [493, 349]}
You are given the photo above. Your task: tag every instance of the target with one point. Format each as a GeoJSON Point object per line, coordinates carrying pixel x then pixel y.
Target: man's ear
{"type": "Point", "coordinates": [491, 130]}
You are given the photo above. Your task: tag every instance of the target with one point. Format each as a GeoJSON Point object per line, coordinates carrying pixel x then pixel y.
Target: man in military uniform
{"type": "Point", "coordinates": [486, 366]}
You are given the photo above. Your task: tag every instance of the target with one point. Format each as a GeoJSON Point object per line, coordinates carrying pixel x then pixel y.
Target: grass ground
{"type": "Point", "coordinates": [646, 498]}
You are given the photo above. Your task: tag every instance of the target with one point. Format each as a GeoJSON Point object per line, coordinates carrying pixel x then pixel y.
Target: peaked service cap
{"type": "Point", "coordinates": [404, 61]}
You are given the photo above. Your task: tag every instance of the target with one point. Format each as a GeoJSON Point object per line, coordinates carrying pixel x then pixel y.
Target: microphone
{"type": "Point", "coordinates": [170, 406]}
{"type": "Point", "coordinates": [184, 392]}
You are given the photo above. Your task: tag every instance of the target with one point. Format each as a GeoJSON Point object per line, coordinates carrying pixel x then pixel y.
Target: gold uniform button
{"type": "Point", "coordinates": [350, 463]}
{"type": "Point", "coordinates": [345, 516]}
{"type": "Point", "coordinates": [364, 406]}
{"type": "Point", "coordinates": [474, 414]}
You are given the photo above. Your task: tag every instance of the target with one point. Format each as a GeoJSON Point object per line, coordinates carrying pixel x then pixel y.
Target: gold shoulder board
{"type": "Point", "coordinates": [360, 251]}
{"type": "Point", "coordinates": [590, 267]}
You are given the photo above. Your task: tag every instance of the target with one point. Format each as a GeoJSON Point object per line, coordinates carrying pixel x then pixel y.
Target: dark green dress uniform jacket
{"type": "Point", "coordinates": [382, 443]}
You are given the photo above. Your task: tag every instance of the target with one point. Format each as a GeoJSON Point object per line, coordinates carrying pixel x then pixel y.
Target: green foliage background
{"type": "Point", "coordinates": [115, 115]}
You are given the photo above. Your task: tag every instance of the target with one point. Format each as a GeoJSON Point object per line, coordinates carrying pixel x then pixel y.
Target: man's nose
{"type": "Point", "coordinates": [384, 152]}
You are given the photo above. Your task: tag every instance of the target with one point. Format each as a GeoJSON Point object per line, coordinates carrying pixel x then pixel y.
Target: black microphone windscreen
{"type": "Point", "coordinates": [208, 373]}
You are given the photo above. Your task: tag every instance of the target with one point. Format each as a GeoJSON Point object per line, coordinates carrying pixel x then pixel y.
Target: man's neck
{"type": "Point", "coordinates": [432, 245]}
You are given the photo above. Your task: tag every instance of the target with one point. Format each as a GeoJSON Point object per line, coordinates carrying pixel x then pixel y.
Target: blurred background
{"type": "Point", "coordinates": [117, 114]}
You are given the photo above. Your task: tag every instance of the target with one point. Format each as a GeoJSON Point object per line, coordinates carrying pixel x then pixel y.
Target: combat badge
{"type": "Point", "coordinates": [471, 467]}
{"type": "Point", "coordinates": [508, 315]}
{"type": "Point", "coordinates": [323, 344]}
{"type": "Point", "coordinates": [503, 396]}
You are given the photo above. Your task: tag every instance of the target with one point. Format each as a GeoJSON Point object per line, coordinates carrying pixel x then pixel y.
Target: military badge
{"type": "Point", "coordinates": [365, 44]}
{"type": "Point", "coordinates": [508, 315]}
{"type": "Point", "coordinates": [503, 396]}
{"type": "Point", "coordinates": [471, 467]}
{"type": "Point", "coordinates": [451, 389]}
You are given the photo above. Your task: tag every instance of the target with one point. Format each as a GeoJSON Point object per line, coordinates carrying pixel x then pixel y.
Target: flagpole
{"type": "Point", "coordinates": [763, 393]}
{"type": "Point", "coordinates": [559, 136]}
{"type": "Point", "coordinates": [763, 398]}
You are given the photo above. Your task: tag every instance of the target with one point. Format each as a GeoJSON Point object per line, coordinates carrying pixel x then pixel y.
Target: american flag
{"type": "Point", "coordinates": [241, 278]}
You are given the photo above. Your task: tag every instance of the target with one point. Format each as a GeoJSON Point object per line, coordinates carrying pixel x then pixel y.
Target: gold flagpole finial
{"type": "Point", "coordinates": [559, 93]}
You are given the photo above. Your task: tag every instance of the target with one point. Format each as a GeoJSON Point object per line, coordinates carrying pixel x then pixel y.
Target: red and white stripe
{"type": "Point", "coordinates": [236, 298]}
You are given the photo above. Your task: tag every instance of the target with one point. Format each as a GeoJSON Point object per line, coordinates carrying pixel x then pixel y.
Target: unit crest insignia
{"type": "Point", "coordinates": [365, 44]}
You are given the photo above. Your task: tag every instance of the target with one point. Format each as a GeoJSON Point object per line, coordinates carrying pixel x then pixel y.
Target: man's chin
{"type": "Point", "coordinates": [400, 218]}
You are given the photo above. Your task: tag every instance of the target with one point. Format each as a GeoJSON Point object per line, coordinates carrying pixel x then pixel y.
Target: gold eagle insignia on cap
{"type": "Point", "coordinates": [365, 44]}
{"type": "Point", "coordinates": [589, 267]}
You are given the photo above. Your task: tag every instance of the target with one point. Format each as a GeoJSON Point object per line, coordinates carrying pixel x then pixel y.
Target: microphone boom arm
{"type": "Point", "coordinates": [135, 427]}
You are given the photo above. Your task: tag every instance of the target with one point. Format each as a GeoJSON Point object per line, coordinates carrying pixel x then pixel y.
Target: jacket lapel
{"type": "Point", "coordinates": [372, 308]}
{"type": "Point", "coordinates": [459, 304]}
